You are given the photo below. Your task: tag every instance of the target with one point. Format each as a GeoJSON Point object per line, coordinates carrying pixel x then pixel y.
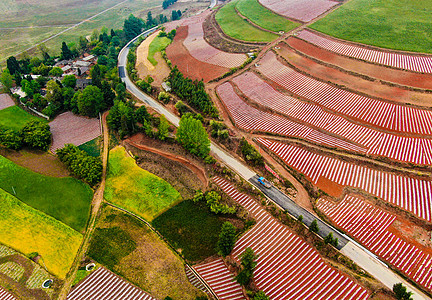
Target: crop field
{"type": "Point", "coordinates": [93, 147]}
{"type": "Point", "coordinates": [303, 10]}
{"type": "Point", "coordinates": [287, 267]}
{"type": "Point", "coordinates": [370, 225]}
{"type": "Point", "coordinates": [396, 24]}
{"type": "Point", "coordinates": [135, 189]}
{"type": "Point", "coordinates": [5, 295]}
{"type": "Point", "coordinates": [414, 63]}
{"type": "Point", "coordinates": [158, 44]}
{"type": "Point", "coordinates": [263, 17]}
{"type": "Point", "coordinates": [372, 141]}
{"type": "Point", "coordinates": [238, 28]}
{"type": "Point", "coordinates": [66, 199]}
{"type": "Point", "coordinates": [29, 230]}
{"type": "Point", "coordinates": [69, 128]}
{"type": "Point", "coordinates": [190, 228]}
{"type": "Point", "coordinates": [15, 118]}
{"type": "Point", "coordinates": [130, 248]}
{"type": "Point", "coordinates": [371, 111]}
{"type": "Point", "coordinates": [251, 119]}
{"type": "Point", "coordinates": [411, 194]}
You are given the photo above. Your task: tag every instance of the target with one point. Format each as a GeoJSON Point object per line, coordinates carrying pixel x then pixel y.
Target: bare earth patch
{"type": "Point", "coordinates": [142, 63]}
{"type": "Point", "coordinates": [6, 101]}
{"type": "Point", "coordinates": [68, 128]}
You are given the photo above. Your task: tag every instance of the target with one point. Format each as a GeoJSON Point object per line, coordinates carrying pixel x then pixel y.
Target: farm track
{"type": "Point", "coordinates": [103, 284]}
{"type": "Point", "coordinates": [370, 226]}
{"type": "Point", "coordinates": [96, 204]}
{"type": "Point", "coordinates": [412, 62]}
{"type": "Point", "coordinates": [411, 194]}
{"type": "Point", "coordinates": [288, 267]}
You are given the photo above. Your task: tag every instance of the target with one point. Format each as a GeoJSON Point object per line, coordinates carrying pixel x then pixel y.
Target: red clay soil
{"type": "Point", "coordinates": [187, 64]}
{"type": "Point", "coordinates": [330, 187]}
{"type": "Point", "coordinates": [423, 81]}
{"type": "Point", "coordinates": [353, 82]}
{"type": "Point", "coordinates": [134, 141]}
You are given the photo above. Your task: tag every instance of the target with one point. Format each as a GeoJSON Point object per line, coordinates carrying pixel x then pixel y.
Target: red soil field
{"type": "Point", "coordinates": [356, 83]}
{"type": "Point", "coordinates": [423, 81]}
{"type": "Point", "coordinates": [188, 65]}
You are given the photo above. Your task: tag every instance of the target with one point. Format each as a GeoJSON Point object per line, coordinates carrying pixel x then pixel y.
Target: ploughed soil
{"type": "Point", "coordinates": [417, 80]}
{"type": "Point", "coordinates": [170, 162]}
{"type": "Point", "coordinates": [145, 67]}
{"type": "Point", "coordinates": [214, 35]}
{"type": "Point", "coordinates": [353, 82]}
{"type": "Point", "coordinates": [38, 161]}
{"type": "Point", "coordinates": [187, 64]}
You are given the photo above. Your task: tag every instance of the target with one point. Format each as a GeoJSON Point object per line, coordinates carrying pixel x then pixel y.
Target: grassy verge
{"type": "Point", "coordinates": [157, 45]}
{"type": "Point", "coordinates": [263, 17]}
{"type": "Point", "coordinates": [29, 230]}
{"type": "Point", "coordinates": [236, 27]}
{"type": "Point", "coordinates": [191, 228]}
{"type": "Point", "coordinates": [15, 118]}
{"type": "Point", "coordinates": [129, 248]}
{"type": "Point", "coordinates": [66, 199]}
{"type": "Point", "coordinates": [92, 147]}
{"type": "Point", "coordinates": [135, 189]}
{"type": "Point", "coordinates": [395, 24]}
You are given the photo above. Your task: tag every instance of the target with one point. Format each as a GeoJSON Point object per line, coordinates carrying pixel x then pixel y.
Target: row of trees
{"type": "Point", "coordinates": [192, 92]}
{"type": "Point", "coordinates": [35, 134]}
{"type": "Point", "coordinates": [212, 200]}
{"type": "Point", "coordinates": [80, 164]}
{"type": "Point", "coordinates": [250, 154]}
{"type": "Point", "coordinates": [167, 3]}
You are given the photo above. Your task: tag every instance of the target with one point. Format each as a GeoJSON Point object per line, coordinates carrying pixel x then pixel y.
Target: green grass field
{"type": "Point", "coordinates": [236, 27]}
{"type": "Point", "coordinates": [395, 24]}
{"type": "Point", "coordinates": [29, 230]}
{"type": "Point", "coordinates": [263, 17]}
{"type": "Point", "coordinates": [191, 228]}
{"type": "Point", "coordinates": [158, 44]}
{"type": "Point", "coordinates": [92, 147]}
{"type": "Point", "coordinates": [15, 118]}
{"type": "Point", "coordinates": [135, 189]}
{"type": "Point", "coordinates": [66, 199]}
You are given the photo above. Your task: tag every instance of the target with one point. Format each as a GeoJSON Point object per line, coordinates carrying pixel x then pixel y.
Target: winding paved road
{"type": "Point", "coordinates": [360, 255]}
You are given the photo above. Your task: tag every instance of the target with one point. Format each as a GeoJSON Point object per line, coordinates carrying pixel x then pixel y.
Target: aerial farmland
{"type": "Point", "coordinates": [239, 149]}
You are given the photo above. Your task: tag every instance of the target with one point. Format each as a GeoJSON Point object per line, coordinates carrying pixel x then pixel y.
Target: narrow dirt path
{"type": "Point", "coordinates": [185, 162]}
{"type": "Point", "coordinates": [96, 203]}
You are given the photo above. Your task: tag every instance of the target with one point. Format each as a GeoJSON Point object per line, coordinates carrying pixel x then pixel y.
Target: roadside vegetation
{"type": "Point", "coordinates": [157, 45]}
{"type": "Point", "coordinates": [263, 17]}
{"type": "Point", "coordinates": [238, 28]}
{"type": "Point", "coordinates": [398, 24]}
{"type": "Point", "coordinates": [66, 199]}
{"type": "Point", "coordinates": [135, 189]}
{"type": "Point", "coordinates": [36, 234]}
{"type": "Point", "coordinates": [35, 134]}
{"type": "Point", "coordinates": [15, 118]}
{"type": "Point", "coordinates": [130, 248]}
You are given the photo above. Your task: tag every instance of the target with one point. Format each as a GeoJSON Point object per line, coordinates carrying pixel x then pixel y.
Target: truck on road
{"type": "Point", "coordinates": [264, 182]}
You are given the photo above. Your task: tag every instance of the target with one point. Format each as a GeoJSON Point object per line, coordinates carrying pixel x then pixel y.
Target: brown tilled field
{"type": "Point", "coordinates": [6, 101]}
{"type": "Point", "coordinates": [423, 81]}
{"type": "Point", "coordinates": [68, 128]}
{"type": "Point", "coordinates": [353, 82]}
{"type": "Point", "coordinates": [187, 64]}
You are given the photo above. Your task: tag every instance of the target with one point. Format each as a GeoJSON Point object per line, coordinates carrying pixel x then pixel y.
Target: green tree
{"type": "Point", "coordinates": [56, 72]}
{"type": "Point", "coordinates": [69, 81]}
{"type": "Point", "coordinates": [66, 53]}
{"type": "Point", "coordinates": [227, 239]}
{"type": "Point", "coordinates": [248, 264]}
{"type": "Point", "coordinates": [96, 76]}
{"type": "Point", "coordinates": [329, 238]}
{"type": "Point", "coordinates": [36, 134]}
{"type": "Point", "coordinates": [90, 103]}
{"type": "Point", "coordinates": [401, 292]}
{"type": "Point", "coordinates": [122, 118]}
{"type": "Point", "coordinates": [7, 79]}
{"type": "Point", "coordinates": [132, 27]}
{"type": "Point", "coordinates": [314, 226]}
{"type": "Point", "coordinates": [163, 128]}
{"type": "Point", "coordinates": [108, 95]}
{"type": "Point", "coordinates": [260, 295]}
{"type": "Point", "coordinates": [192, 135]}
{"type": "Point", "coordinates": [54, 92]}
{"type": "Point", "coordinates": [11, 139]}
{"type": "Point", "coordinates": [13, 65]}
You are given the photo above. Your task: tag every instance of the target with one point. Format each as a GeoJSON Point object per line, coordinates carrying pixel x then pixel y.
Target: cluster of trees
{"type": "Point", "coordinates": [218, 130]}
{"type": "Point", "coordinates": [80, 164]}
{"type": "Point", "coordinates": [192, 135]}
{"type": "Point", "coordinates": [227, 239]}
{"type": "Point", "coordinates": [133, 26]}
{"type": "Point", "coordinates": [193, 92]}
{"type": "Point", "coordinates": [250, 154]}
{"type": "Point", "coordinates": [401, 292]}
{"type": "Point", "coordinates": [212, 200]}
{"type": "Point", "coordinates": [35, 134]}
{"type": "Point", "coordinates": [176, 15]}
{"type": "Point", "coordinates": [167, 3]}
{"type": "Point", "coordinates": [314, 226]}
{"type": "Point", "coordinates": [248, 264]}
{"type": "Point", "coordinates": [329, 239]}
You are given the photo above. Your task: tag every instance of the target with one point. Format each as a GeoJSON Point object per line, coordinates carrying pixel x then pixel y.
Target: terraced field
{"type": "Point", "coordinates": [369, 225]}
{"type": "Point", "coordinates": [411, 194]}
